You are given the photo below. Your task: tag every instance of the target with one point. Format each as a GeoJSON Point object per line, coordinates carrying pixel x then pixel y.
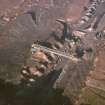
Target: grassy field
{"type": "Point", "coordinates": [10, 73]}
{"type": "Point", "coordinates": [91, 96]}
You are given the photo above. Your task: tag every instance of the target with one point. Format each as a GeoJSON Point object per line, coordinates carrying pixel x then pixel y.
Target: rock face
{"type": "Point", "coordinates": [72, 78]}
{"type": "Point", "coordinates": [18, 34]}
{"type": "Point", "coordinates": [35, 20]}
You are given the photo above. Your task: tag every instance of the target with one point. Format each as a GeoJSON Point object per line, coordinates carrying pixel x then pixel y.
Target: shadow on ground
{"type": "Point", "coordinates": [39, 93]}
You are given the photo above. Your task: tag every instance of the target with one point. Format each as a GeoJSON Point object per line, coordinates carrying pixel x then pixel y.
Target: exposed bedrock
{"type": "Point", "coordinates": [58, 87]}
{"type": "Point", "coordinates": [17, 36]}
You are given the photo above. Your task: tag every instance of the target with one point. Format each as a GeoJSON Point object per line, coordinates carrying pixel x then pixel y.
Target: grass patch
{"type": "Point", "coordinates": [10, 72]}
{"type": "Point", "coordinates": [91, 96]}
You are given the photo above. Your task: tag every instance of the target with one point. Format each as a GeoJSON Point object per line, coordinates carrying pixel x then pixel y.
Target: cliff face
{"type": "Point", "coordinates": [22, 23]}
{"type": "Point", "coordinates": [17, 34]}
